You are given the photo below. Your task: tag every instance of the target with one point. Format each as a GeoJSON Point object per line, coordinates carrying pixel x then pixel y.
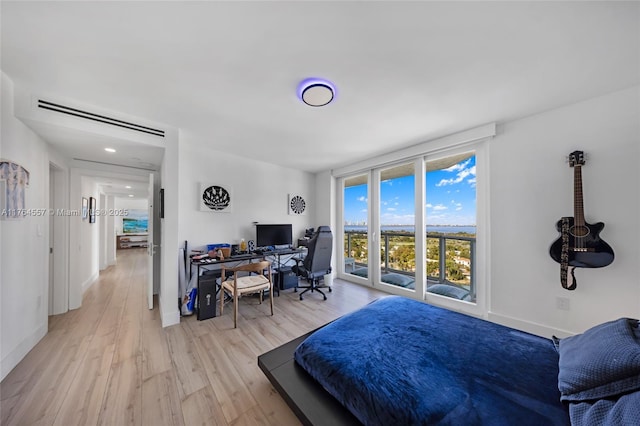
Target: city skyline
{"type": "Point", "coordinates": [450, 200]}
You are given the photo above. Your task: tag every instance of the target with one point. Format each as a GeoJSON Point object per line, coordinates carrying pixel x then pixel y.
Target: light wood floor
{"type": "Point", "coordinates": [111, 363]}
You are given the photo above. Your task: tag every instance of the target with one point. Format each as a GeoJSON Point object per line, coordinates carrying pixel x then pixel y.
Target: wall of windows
{"type": "Point", "coordinates": [410, 228]}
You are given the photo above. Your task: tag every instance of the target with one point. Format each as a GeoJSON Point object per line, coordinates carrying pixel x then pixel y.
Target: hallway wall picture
{"type": "Point", "coordinates": [85, 208]}
{"type": "Point", "coordinates": [15, 180]}
{"type": "Point", "coordinates": [92, 210]}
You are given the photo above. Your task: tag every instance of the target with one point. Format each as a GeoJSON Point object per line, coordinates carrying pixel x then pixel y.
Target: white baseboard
{"type": "Point", "coordinates": [170, 318]}
{"type": "Point", "coordinates": [530, 327]}
{"type": "Point", "coordinates": [88, 283]}
{"type": "Point", "coordinates": [15, 356]}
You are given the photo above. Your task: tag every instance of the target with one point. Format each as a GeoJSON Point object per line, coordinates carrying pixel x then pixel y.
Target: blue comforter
{"type": "Point", "coordinates": [398, 361]}
{"type": "Point", "coordinates": [600, 374]}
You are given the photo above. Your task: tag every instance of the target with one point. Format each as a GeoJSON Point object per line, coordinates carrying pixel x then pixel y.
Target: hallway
{"type": "Point", "coordinates": [111, 363]}
{"type": "Point", "coordinates": [89, 368]}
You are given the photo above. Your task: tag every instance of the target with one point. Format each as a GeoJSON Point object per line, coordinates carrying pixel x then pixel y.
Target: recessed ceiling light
{"type": "Point", "coordinates": [130, 195]}
{"type": "Point", "coordinates": [128, 186]}
{"type": "Point", "coordinates": [110, 150]}
{"type": "Point", "coordinates": [316, 92]}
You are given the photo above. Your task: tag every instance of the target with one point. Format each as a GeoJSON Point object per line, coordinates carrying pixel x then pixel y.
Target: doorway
{"type": "Point", "coordinates": [58, 291]}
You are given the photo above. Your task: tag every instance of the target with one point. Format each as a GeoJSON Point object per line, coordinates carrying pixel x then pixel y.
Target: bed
{"type": "Point", "coordinates": [400, 361]}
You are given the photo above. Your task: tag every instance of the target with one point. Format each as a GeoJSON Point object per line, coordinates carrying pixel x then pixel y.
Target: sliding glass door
{"type": "Point", "coordinates": [356, 221]}
{"type": "Point", "coordinates": [397, 226]}
{"type": "Point", "coordinates": [450, 216]}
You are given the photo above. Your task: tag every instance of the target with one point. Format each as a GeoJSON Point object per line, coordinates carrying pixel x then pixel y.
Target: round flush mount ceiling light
{"type": "Point", "coordinates": [316, 92]}
{"type": "Point", "coordinates": [110, 150]}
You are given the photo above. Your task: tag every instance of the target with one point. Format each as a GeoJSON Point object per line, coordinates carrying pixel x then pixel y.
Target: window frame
{"type": "Point", "coordinates": [481, 261]}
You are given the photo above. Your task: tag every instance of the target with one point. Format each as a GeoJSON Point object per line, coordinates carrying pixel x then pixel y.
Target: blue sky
{"type": "Point", "coordinates": [451, 198]}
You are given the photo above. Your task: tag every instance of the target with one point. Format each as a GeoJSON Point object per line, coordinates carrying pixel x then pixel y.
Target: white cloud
{"type": "Point", "coordinates": [458, 167]}
{"type": "Point", "coordinates": [364, 199]}
{"type": "Point", "coordinates": [440, 207]}
{"type": "Point", "coordinates": [391, 209]}
{"type": "Point", "coordinates": [461, 175]}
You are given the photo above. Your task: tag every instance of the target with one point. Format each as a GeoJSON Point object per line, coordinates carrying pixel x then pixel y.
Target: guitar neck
{"type": "Point", "coordinates": [578, 205]}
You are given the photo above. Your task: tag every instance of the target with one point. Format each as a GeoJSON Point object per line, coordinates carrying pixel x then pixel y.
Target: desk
{"type": "Point", "coordinates": [213, 264]}
{"type": "Point", "coordinates": [277, 255]}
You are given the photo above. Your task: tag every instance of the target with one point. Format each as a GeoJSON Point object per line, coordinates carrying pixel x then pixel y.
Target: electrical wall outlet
{"type": "Point", "coordinates": [562, 303]}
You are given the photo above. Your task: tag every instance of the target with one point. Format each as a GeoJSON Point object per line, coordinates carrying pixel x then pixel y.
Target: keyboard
{"type": "Point", "coordinates": [280, 251]}
{"type": "Point", "coordinates": [272, 252]}
{"type": "Point", "coordinates": [241, 256]}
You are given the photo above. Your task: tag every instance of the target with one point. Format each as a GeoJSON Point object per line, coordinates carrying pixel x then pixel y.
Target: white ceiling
{"type": "Point", "coordinates": [225, 73]}
{"type": "Point", "coordinates": [125, 187]}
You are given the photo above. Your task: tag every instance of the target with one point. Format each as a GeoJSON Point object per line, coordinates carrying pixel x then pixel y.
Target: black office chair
{"type": "Point", "coordinates": [317, 263]}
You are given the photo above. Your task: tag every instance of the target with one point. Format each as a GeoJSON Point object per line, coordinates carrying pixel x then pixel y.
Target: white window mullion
{"type": "Point", "coordinates": [420, 228]}
{"type": "Point", "coordinates": [374, 232]}
{"type": "Point", "coordinates": [340, 234]}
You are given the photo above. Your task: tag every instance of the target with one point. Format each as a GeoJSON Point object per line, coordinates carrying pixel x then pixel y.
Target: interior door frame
{"type": "Point", "coordinates": [150, 245]}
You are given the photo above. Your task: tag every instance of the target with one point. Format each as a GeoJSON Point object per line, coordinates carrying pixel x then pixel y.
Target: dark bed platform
{"type": "Point", "coordinates": [399, 361]}
{"type": "Point", "coordinates": [306, 397]}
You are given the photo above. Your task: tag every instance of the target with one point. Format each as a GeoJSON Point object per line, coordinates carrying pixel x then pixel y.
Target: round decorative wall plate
{"type": "Point", "coordinates": [216, 198]}
{"type": "Point", "coordinates": [297, 205]}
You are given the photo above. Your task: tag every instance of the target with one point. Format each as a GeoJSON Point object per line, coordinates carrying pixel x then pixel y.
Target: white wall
{"type": "Point", "coordinates": [59, 224]}
{"type": "Point", "coordinates": [23, 287]}
{"type": "Point", "coordinates": [532, 188]}
{"type": "Point", "coordinates": [110, 237]}
{"type": "Point", "coordinates": [325, 196]}
{"type": "Point", "coordinates": [88, 249]}
{"type": "Point", "coordinates": [260, 192]}
{"type": "Point", "coordinates": [170, 181]}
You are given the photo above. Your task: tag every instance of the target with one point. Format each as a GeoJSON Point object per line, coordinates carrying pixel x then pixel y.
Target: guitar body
{"type": "Point", "coordinates": [586, 249]}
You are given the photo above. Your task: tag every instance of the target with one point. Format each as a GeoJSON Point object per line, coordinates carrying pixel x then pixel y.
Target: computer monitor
{"type": "Point", "coordinates": [274, 235]}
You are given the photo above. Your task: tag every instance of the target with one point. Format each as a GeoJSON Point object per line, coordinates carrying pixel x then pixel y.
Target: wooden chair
{"type": "Point", "coordinates": [237, 285]}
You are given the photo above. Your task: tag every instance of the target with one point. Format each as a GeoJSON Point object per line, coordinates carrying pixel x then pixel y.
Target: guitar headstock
{"type": "Point", "coordinates": [576, 158]}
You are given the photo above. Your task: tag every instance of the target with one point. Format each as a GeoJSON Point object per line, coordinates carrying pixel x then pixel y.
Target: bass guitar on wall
{"type": "Point", "coordinates": [579, 244]}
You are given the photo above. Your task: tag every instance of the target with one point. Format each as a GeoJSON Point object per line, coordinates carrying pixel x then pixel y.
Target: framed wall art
{"type": "Point", "coordinates": [297, 205]}
{"type": "Point", "coordinates": [215, 198]}
{"type": "Point", "coordinates": [14, 181]}
{"type": "Point", "coordinates": [92, 210]}
{"type": "Point", "coordinates": [85, 208]}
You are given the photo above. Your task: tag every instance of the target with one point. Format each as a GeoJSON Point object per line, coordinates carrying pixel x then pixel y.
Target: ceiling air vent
{"type": "Point", "coordinates": [100, 118]}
